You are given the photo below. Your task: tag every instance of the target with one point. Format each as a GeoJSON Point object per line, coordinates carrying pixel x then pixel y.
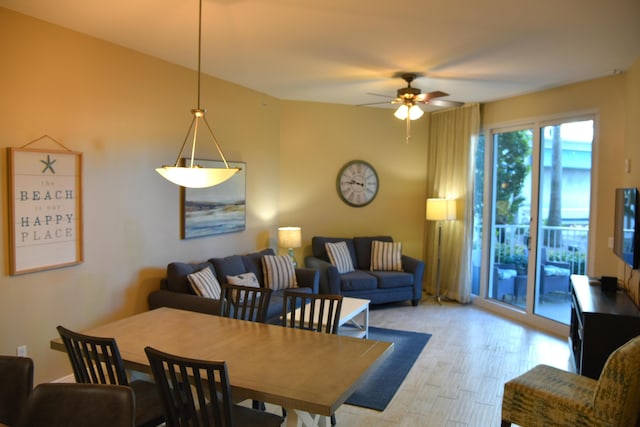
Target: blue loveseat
{"type": "Point", "coordinates": [175, 291]}
{"type": "Point", "coordinates": [377, 286]}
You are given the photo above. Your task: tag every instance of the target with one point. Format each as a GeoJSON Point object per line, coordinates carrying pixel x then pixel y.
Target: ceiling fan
{"type": "Point", "coordinates": [409, 97]}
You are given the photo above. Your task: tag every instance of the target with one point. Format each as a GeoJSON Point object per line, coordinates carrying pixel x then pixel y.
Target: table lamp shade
{"type": "Point", "coordinates": [441, 209]}
{"type": "Point", "coordinates": [289, 237]}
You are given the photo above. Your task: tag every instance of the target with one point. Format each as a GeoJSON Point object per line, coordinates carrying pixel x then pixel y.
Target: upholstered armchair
{"type": "Point", "coordinates": [546, 396]}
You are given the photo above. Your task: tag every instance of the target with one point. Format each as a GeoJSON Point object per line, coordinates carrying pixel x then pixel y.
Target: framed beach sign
{"type": "Point", "coordinates": [45, 209]}
{"type": "Point", "coordinates": [215, 210]}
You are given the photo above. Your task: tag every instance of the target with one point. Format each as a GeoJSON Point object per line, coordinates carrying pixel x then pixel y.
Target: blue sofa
{"type": "Point", "coordinates": [175, 291]}
{"type": "Point", "coordinates": [377, 286]}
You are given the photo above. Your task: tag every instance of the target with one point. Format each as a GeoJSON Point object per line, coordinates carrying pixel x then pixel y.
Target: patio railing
{"type": "Point", "coordinates": [566, 244]}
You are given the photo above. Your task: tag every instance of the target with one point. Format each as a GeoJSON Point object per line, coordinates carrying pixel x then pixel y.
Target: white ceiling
{"type": "Point", "coordinates": [339, 51]}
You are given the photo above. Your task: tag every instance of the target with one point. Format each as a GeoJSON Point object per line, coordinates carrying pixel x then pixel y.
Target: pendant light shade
{"type": "Point", "coordinates": [189, 174]}
{"type": "Point", "coordinates": [196, 176]}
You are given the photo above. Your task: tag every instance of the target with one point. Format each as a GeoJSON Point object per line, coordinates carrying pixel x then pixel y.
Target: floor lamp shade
{"type": "Point", "coordinates": [441, 209]}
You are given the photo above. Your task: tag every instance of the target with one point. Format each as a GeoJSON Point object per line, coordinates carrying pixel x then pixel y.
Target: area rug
{"type": "Point", "coordinates": [381, 384]}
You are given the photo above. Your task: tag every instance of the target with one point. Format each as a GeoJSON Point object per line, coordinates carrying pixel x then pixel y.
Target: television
{"type": "Point", "coordinates": [626, 227]}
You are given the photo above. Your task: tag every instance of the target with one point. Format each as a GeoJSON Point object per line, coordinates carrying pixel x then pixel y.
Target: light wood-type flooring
{"type": "Point", "coordinates": [458, 378]}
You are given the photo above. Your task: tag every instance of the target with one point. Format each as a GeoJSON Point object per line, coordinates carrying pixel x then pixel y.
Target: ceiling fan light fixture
{"type": "Point", "coordinates": [189, 174]}
{"type": "Point", "coordinates": [414, 112]}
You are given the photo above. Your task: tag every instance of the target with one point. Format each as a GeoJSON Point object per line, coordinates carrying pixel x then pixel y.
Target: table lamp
{"type": "Point", "coordinates": [289, 238]}
{"type": "Point", "coordinates": [440, 210]}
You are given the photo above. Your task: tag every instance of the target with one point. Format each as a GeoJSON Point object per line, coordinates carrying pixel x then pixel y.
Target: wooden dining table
{"type": "Point", "coordinates": [312, 373]}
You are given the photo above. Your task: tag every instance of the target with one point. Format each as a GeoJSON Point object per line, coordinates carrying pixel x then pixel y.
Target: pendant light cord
{"type": "Point", "coordinates": [199, 47]}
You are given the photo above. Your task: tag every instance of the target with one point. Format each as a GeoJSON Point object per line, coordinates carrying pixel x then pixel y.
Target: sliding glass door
{"type": "Point", "coordinates": [536, 208]}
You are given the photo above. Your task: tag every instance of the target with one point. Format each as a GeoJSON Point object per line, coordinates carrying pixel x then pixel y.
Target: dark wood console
{"type": "Point", "coordinates": [600, 323]}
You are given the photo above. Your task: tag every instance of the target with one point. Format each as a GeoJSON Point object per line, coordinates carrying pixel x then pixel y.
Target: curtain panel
{"type": "Point", "coordinates": [452, 141]}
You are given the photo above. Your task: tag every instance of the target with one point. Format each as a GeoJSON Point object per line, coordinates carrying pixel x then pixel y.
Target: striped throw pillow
{"type": "Point", "coordinates": [278, 272]}
{"type": "Point", "coordinates": [386, 256]}
{"type": "Point", "coordinates": [204, 283]}
{"type": "Point", "coordinates": [339, 256]}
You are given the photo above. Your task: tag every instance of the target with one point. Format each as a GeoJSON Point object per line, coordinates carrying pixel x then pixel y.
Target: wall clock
{"type": "Point", "coordinates": [357, 183]}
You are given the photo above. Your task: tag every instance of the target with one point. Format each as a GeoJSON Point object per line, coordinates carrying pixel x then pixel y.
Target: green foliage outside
{"type": "Point", "coordinates": [514, 148]}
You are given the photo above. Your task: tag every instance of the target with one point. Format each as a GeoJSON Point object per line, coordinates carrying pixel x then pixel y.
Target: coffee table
{"type": "Point", "coordinates": [354, 317]}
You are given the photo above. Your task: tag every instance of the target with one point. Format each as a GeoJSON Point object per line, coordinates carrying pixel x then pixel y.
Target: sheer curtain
{"type": "Point", "coordinates": [452, 142]}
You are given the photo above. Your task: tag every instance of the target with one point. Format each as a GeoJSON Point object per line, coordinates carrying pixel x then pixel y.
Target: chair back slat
{"type": "Point", "coordinates": [94, 360]}
{"type": "Point", "coordinates": [244, 302]}
{"type": "Point", "coordinates": [195, 393]}
{"type": "Point", "coordinates": [314, 312]}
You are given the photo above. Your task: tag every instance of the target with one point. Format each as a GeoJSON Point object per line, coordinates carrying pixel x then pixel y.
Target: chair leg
{"type": "Point", "coordinates": [333, 419]}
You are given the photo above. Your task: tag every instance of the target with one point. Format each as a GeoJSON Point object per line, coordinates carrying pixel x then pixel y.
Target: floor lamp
{"type": "Point", "coordinates": [440, 210]}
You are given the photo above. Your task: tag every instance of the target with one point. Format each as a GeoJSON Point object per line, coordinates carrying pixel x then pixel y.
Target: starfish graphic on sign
{"type": "Point", "coordinates": [48, 164]}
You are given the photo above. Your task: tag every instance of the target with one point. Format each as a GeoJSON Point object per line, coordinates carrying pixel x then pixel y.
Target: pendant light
{"type": "Point", "coordinates": [190, 174]}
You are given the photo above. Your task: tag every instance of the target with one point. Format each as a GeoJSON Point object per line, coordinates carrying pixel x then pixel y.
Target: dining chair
{"type": "Point", "coordinates": [97, 360]}
{"type": "Point", "coordinates": [73, 404]}
{"type": "Point", "coordinates": [314, 312]}
{"type": "Point", "coordinates": [197, 393]}
{"type": "Point", "coordinates": [16, 383]}
{"type": "Point", "coordinates": [244, 302]}
{"type": "Point", "coordinates": [547, 396]}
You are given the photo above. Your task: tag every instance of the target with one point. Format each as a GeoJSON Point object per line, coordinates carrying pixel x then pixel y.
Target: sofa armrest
{"type": "Point", "coordinates": [308, 278]}
{"type": "Point", "coordinates": [329, 279]}
{"type": "Point", "coordinates": [165, 298]}
{"type": "Point", "coordinates": [415, 267]}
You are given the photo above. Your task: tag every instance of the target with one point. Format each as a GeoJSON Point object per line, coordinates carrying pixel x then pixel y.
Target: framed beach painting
{"type": "Point", "coordinates": [215, 210]}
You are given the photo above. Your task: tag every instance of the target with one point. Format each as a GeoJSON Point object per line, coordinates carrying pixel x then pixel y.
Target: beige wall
{"type": "Point", "coordinates": [318, 139]}
{"type": "Point", "coordinates": [128, 114]}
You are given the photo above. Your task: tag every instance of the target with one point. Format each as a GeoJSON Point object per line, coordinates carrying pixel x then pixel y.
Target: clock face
{"type": "Point", "coordinates": [357, 183]}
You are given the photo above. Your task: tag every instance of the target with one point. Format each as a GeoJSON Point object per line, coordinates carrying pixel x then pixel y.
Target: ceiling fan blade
{"type": "Point", "coordinates": [435, 94]}
{"type": "Point", "coordinates": [445, 103]}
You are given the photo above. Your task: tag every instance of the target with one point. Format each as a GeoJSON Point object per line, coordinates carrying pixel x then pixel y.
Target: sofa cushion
{"type": "Point", "coordinates": [319, 249]}
{"type": "Point", "coordinates": [362, 247]}
{"type": "Point", "coordinates": [392, 279]}
{"type": "Point", "coordinates": [386, 256]}
{"type": "Point", "coordinates": [228, 266]}
{"type": "Point", "coordinates": [204, 283]}
{"type": "Point", "coordinates": [278, 272]}
{"type": "Point", "coordinates": [358, 280]}
{"type": "Point", "coordinates": [177, 273]}
{"type": "Point", "coordinates": [244, 279]}
{"type": "Point", "coordinates": [253, 262]}
{"type": "Point", "coordinates": [340, 257]}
